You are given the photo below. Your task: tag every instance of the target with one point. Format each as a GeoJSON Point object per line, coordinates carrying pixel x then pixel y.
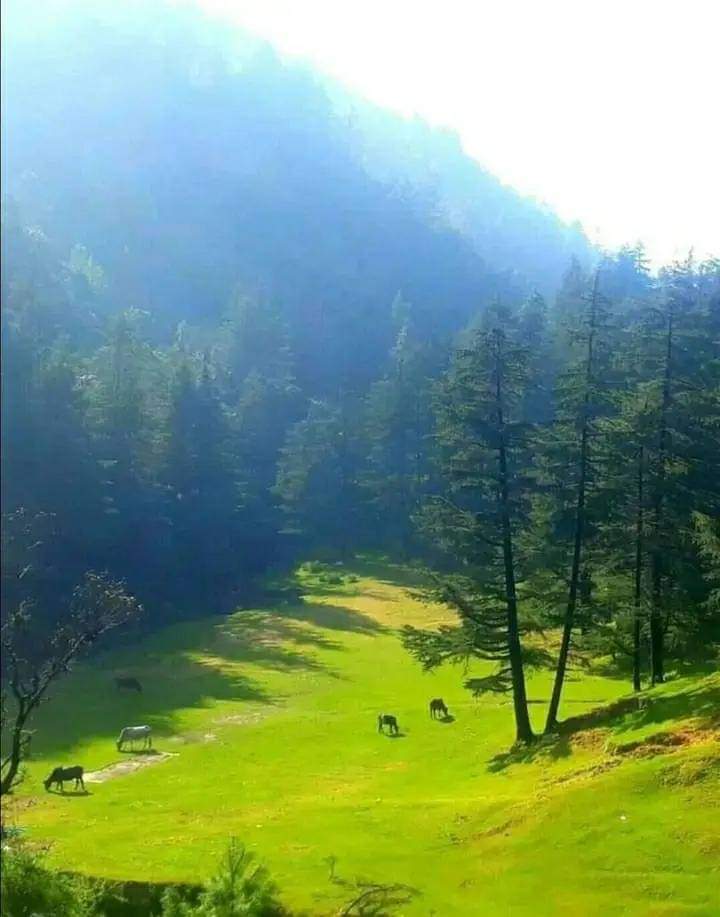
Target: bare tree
{"type": "Point", "coordinates": [34, 657]}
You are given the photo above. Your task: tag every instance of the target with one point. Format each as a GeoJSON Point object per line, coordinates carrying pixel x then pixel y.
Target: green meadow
{"type": "Point", "coordinates": [265, 728]}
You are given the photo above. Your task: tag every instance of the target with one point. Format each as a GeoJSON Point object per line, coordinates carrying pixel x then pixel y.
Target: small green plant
{"type": "Point", "coordinates": [241, 888]}
{"type": "Point", "coordinates": [331, 864]}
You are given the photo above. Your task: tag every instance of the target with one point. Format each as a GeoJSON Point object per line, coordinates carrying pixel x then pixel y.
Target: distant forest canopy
{"type": "Point", "coordinates": [235, 304]}
{"type": "Point", "coordinates": [189, 159]}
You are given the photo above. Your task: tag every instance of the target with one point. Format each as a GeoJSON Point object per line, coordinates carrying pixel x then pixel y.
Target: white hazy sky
{"type": "Point", "coordinates": [608, 110]}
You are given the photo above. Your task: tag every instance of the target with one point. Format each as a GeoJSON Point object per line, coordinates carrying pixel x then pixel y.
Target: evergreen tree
{"type": "Point", "coordinates": [485, 459]}
{"type": "Point", "coordinates": [397, 428]}
{"type": "Point", "coordinates": [621, 549]}
{"type": "Point", "coordinates": [204, 495]}
{"type": "Point", "coordinates": [684, 460]}
{"type": "Point", "coordinates": [534, 335]}
{"type": "Point", "coordinates": [580, 403]}
{"type": "Point", "coordinates": [316, 481]}
{"type": "Point", "coordinates": [124, 414]}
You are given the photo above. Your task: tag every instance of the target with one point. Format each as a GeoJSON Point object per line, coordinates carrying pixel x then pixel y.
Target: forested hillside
{"type": "Point", "coordinates": [246, 318]}
{"type": "Point", "coordinates": [199, 269]}
{"type": "Point", "coordinates": [324, 422]}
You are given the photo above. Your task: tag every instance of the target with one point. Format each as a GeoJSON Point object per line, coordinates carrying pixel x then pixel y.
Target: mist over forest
{"type": "Point", "coordinates": [254, 324]}
{"type": "Point", "coordinates": [176, 196]}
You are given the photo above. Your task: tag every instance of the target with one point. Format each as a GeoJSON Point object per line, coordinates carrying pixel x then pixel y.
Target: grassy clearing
{"type": "Point", "coordinates": [269, 719]}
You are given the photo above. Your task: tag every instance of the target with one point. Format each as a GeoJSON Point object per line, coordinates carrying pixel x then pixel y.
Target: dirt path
{"type": "Point", "coordinates": [128, 766]}
{"type": "Point", "coordinates": [136, 762]}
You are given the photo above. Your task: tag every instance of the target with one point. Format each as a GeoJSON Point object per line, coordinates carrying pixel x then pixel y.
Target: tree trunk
{"type": "Point", "coordinates": [657, 635]}
{"type": "Point", "coordinates": [639, 533]}
{"type": "Point", "coordinates": [571, 608]}
{"type": "Point", "coordinates": [17, 741]}
{"type": "Point", "coordinates": [523, 729]}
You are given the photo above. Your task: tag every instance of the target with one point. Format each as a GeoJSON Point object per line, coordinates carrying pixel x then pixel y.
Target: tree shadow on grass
{"type": "Point", "coordinates": [271, 640]}
{"type": "Point", "coordinates": [701, 702]}
{"type": "Point", "coordinates": [69, 794]}
{"type": "Point", "coordinates": [136, 752]}
{"type": "Point", "coordinates": [189, 665]}
{"type": "Point", "coordinates": [334, 617]}
{"type": "Point", "coordinates": [549, 748]}
{"type": "Point", "coordinates": [389, 573]}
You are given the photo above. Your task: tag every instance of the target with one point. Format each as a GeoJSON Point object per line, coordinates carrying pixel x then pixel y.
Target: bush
{"type": "Point", "coordinates": [241, 888]}
{"type": "Point", "coordinates": [333, 579]}
{"type": "Point", "coordinates": [28, 889]}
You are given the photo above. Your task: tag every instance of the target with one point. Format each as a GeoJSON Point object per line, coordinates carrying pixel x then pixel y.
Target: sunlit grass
{"type": "Point", "coordinates": [270, 718]}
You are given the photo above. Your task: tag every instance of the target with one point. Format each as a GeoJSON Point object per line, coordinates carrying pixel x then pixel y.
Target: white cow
{"type": "Point", "coordinates": [133, 733]}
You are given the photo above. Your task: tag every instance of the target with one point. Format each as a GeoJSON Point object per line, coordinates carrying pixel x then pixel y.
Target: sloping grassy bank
{"type": "Point", "coordinates": [268, 720]}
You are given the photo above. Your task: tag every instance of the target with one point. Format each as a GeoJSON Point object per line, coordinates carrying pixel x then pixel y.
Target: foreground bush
{"type": "Point", "coordinates": [28, 889]}
{"type": "Point", "coordinates": [241, 888]}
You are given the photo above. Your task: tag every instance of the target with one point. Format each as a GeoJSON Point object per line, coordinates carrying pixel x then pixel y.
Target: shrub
{"type": "Point", "coordinates": [28, 889]}
{"type": "Point", "coordinates": [241, 888]}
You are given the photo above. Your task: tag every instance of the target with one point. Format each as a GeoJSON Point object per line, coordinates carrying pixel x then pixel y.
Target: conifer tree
{"type": "Point", "coordinates": [485, 460]}
{"type": "Point", "coordinates": [125, 423]}
{"type": "Point", "coordinates": [316, 480]}
{"type": "Point", "coordinates": [205, 498]}
{"type": "Point", "coordinates": [397, 425]}
{"type": "Point", "coordinates": [580, 403]}
{"type": "Point", "coordinates": [683, 356]}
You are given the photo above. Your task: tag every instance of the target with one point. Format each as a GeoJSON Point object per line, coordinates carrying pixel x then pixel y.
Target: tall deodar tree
{"type": "Point", "coordinates": [484, 457]}
{"type": "Point", "coordinates": [580, 403]}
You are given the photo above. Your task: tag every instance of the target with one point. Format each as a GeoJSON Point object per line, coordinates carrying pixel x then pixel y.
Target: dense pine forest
{"type": "Point", "coordinates": [249, 320]}
{"type": "Point", "coordinates": [208, 303]}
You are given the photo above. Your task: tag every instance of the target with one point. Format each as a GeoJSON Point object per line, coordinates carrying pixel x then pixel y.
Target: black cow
{"type": "Point", "coordinates": [437, 706]}
{"type": "Point", "coordinates": [386, 719]}
{"type": "Point", "coordinates": [130, 684]}
{"type": "Point", "coordinates": [60, 774]}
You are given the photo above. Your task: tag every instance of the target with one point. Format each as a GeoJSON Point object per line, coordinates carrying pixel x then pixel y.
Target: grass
{"type": "Point", "coordinates": [270, 718]}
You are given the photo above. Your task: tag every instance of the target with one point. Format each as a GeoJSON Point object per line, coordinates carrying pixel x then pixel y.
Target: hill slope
{"type": "Point", "coordinates": [188, 160]}
{"type": "Point", "coordinates": [268, 721]}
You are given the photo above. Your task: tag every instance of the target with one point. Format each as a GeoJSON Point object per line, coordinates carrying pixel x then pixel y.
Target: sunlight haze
{"type": "Point", "coordinates": [604, 111]}
{"type": "Point", "coordinates": [360, 403]}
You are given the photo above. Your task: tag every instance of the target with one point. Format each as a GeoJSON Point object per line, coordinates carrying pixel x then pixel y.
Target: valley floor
{"type": "Point", "coordinates": [266, 727]}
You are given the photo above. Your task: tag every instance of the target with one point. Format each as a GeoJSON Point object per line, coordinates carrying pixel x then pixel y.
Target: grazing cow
{"type": "Point", "coordinates": [386, 719]}
{"type": "Point", "coordinates": [129, 684]}
{"type": "Point", "coordinates": [60, 774]}
{"type": "Point", "coordinates": [437, 706]}
{"type": "Point", "coordinates": [134, 733]}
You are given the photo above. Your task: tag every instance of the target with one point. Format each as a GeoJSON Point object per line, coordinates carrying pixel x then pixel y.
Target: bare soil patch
{"type": "Point", "coordinates": [245, 719]}
{"type": "Point", "coordinates": [128, 766]}
{"type": "Point", "coordinates": [665, 742]}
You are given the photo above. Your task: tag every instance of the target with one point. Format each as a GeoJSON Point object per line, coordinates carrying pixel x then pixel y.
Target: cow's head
{"type": "Point", "coordinates": [51, 779]}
